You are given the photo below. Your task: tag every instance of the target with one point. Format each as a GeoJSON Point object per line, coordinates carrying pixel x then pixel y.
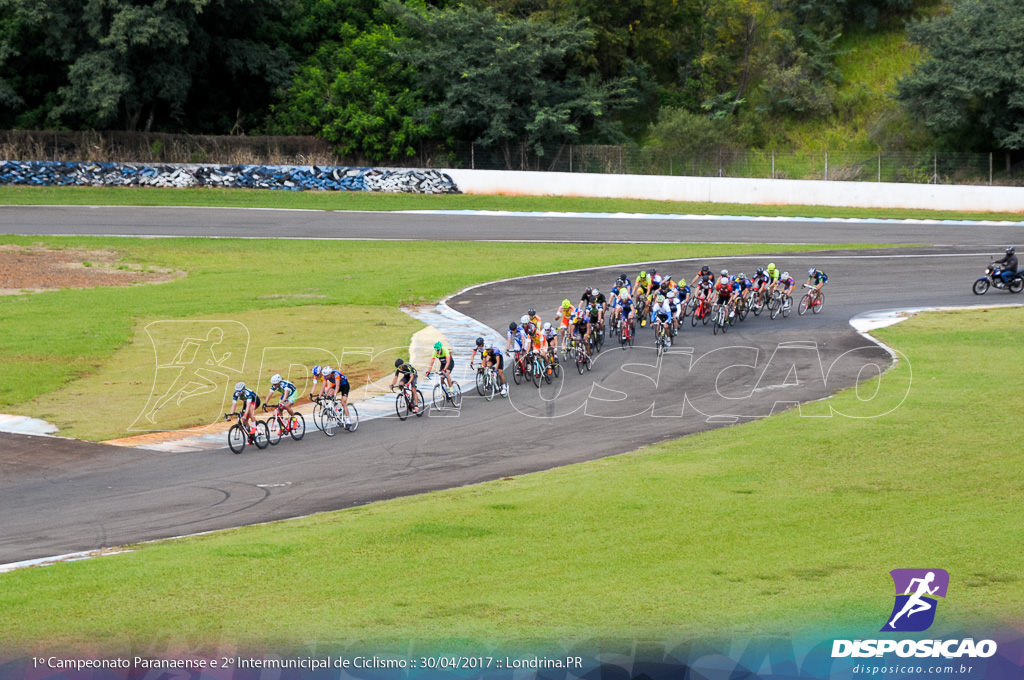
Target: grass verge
{"type": "Point", "coordinates": [785, 525]}
{"type": "Point", "coordinates": [307, 295]}
{"type": "Point", "coordinates": [362, 200]}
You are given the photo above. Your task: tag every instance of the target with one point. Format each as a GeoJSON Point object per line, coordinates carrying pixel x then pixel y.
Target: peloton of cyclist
{"type": "Point", "coordinates": [407, 372]}
{"type": "Point", "coordinates": [250, 400]}
{"type": "Point", "coordinates": [490, 355]}
{"type": "Point", "coordinates": [287, 391]}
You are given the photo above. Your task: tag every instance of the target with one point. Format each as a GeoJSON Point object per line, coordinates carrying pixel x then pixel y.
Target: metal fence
{"type": "Point", "coordinates": [999, 168]}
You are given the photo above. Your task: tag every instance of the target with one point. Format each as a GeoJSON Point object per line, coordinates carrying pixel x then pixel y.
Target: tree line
{"type": "Point", "coordinates": [379, 78]}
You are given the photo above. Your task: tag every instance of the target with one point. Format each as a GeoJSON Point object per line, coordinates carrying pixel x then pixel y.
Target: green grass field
{"type": "Point", "coordinates": [782, 526]}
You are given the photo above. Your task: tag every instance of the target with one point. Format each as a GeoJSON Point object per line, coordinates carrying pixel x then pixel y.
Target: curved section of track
{"type": "Point", "coordinates": [60, 496]}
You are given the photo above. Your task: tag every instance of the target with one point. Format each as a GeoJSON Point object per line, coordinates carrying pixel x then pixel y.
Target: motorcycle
{"type": "Point", "coordinates": [993, 278]}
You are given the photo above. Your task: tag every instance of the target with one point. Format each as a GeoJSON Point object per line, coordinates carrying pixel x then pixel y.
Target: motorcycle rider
{"type": "Point", "coordinates": [1008, 264]}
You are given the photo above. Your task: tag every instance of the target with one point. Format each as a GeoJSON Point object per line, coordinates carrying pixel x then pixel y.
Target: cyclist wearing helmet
{"type": "Point", "coordinates": [551, 337]}
{"type": "Point", "coordinates": [760, 279]}
{"type": "Point", "coordinates": [725, 291]}
{"type": "Point", "coordinates": [407, 372]}
{"type": "Point", "coordinates": [250, 400]}
{"type": "Point", "coordinates": [1008, 264]}
{"type": "Point", "coordinates": [445, 362]}
{"type": "Point", "coordinates": [788, 283]}
{"type": "Point", "coordinates": [562, 316]}
{"type": "Point", "coordinates": [624, 282]}
{"type": "Point", "coordinates": [581, 325]}
{"type": "Point", "coordinates": [287, 391]}
{"type": "Point", "coordinates": [334, 383]}
{"type": "Point", "coordinates": [516, 337]}
{"type": "Point", "coordinates": [602, 305]}
{"type": "Point", "coordinates": [743, 285]}
{"type": "Point", "coordinates": [661, 312]}
{"type": "Point", "coordinates": [702, 283]}
{"type": "Point", "coordinates": [490, 355]}
{"type": "Point", "coordinates": [643, 285]}
{"type": "Point", "coordinates": [534, 319]}
{"type": "Point", "coordinates": [773, 276]}
{"type": "Point", "coordinates": [816, 278]}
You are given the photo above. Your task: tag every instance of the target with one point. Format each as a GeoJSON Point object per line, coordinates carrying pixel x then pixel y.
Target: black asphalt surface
{"type": "Point", "coordinates": [59, 496]}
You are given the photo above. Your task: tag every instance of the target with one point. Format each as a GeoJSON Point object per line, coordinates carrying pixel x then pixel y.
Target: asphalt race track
{"type": "Point", "coordinates": [61, 496]}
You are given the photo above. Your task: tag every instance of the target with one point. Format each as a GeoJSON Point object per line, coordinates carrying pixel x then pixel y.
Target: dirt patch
{"type": "Point", "coordinates": [36, 269]}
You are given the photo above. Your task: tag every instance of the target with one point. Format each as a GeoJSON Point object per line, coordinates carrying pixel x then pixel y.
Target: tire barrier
{"type": "Point", "coordinates": [284, 177]}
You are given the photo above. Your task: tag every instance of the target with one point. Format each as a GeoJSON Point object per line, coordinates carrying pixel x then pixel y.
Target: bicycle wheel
{"type": "Point", "coordinates": [262, 435]}
{"type": "Point", "coordinates": [421, 405]}
{"type": "Point", "coordinates": [590, 362]}
{"type": "Point", "coordinates": [787, 305]}
{"type": "Point", "coordinates": [237, 438]}
{"type": "Point", "coordinates": [455, 394]}
{"type": "Point", "coordinates": [353, 418]}
{"type": "Point", "coordinates": [805, 302]}
{"type": "Point", "coordinates": [757, 304]}
{"type": "Point", "coordinates": [439, 397]}
{"type": "Point", "coordinates": [298, 426]}
{"type": "Point", "coordinates": [556, 370]}
{"type": "Point", "coordinates": [693, 316]}
{"type": "Point", "coordinates": [318, 410]}
{"type": "Point", "coordinates": [490, 385]}
{"type": "Point", "coordinates": [819, 303]}
{"type": "Point", "coordinates": [329, 422]}
{"type": "Point", "coordinates": [537, 372]}
{"type": "Point", "coordinates": [580, 361]}
{"type": "Point", "coordinates": [549, 370]}
{"type": "Point", "coordinates": [774, 307]}
{"type": "Point", "coordinates": [481, 383]}
{"type": "Point", "coordinates": [274, 431]}
{"type": "Point", "coordinates": [517, 370]}
{"type": "Point", "coordinates": [402, 406]}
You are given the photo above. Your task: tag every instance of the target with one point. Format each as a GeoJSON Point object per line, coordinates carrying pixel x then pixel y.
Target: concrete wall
{"type": "Point", "coordinates": [744, 191]}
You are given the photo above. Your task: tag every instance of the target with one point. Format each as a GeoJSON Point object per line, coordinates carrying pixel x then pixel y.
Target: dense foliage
{"type": "Point", "coordinates": [380, 78]}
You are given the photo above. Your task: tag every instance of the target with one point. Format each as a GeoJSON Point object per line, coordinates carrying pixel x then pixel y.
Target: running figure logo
{"type": "Point", "coordinates": [915, 605]}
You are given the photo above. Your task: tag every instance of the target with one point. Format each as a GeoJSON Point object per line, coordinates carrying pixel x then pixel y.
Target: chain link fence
{"type": "Point", "coordinates": [926, 167]}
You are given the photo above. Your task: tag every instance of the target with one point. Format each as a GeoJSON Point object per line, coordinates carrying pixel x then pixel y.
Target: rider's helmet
{"type": "Point", "coordinates": [659, 299]}
{"type": "Point", "coordinates": [623, 277]}
{"type": "Point", "coordinates": [785, 275]}
{"type": "Point", "coordinates": [705, 269]}
{"type": "Point", "coordinates": [566, 304]}
{"type": "Point", "coordinates": [512, 325]}
{"type": "Point", "coordinates": [596, 292]}
{"type": "Point", "coordinates": [524, 319]}
{"type": "Point", "coordinates": [275, 379]}
{"type": "Point", "coordinates": [771, 266]}
{"type": "Point", "coordinates": [624, 294]}
{"type": "Point", "coordinates": [760, 270]}
{"type": "Point", "coordinates": [328, 370]}
{"type": "Point", "coordinates": [653, 271]}
{"type": "Point", "coordinates": [1009, 250]}
{"type": "Point", "coordinates": [399, 362]}
{"type": "Point", "coordinates": [438, 346]}
{"type": "Point", "coordinates": [725, 272]}
{"type": "Point", "coordinates": [643, 275]}
{"type": "Point", "coordinates": [741, 276]}
{"type": "Point", "coordinates": [239, 386]}
{"type": "Point", "coordinates": [810, 272]}
{"type": "Point", "coordinates": [479, 342]}
{"type": "Point", "coordinates": [532, 311]}
{"type": "Point", "coordinates": [317, 371]}
{"type": "Point", "coordinates": [547, 325]}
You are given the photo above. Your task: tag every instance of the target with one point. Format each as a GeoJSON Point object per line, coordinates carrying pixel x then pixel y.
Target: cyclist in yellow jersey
{"type": "Point", "coordinates": [445, 362]}
{"type": "Point", "coordinates": [534, 318]}
{"type": "Point", "coordinates": [643, 285]}
{"type": "Point", "coordinates": [562, 316]}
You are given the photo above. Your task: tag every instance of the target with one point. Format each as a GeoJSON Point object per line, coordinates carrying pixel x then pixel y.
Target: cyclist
{"type": "Point", "coordinates": [817, 279]}
{"type": "Point", "coordinates": [662, 314]}
{"type": "Point", "coordinates": [725, 290]}
{"type": "Point", "coordinates": [760, 279]}
{"type": "Point", "coordinates": [287, 390]}
{"type": "Point", "coordinates": [490, 355]}
{"type": "Point", "coordinates": [408, 374]}
{"type": "Point", "coordinates": [743, 285]}
{"type": "Point", "coordinates": [538, 345]}
{"type": "Point", "coordinates": [250, 400]}
{"type": "Point", "coordinates": [334, 383]}
{"type": "Point", "coordinates": [676, 306]}
{"type": "Point", "coordinates": [551, 336]}
{"type": "Point", "coordinates": [534, 319]}
{"type": "Point", "coordinates": [562, 316]}
{"type": "Point", "coordinates": [773, 277]}
{"type": "Point", "coordinates": [581, 326]}
{"type": "Point", "coordinates": [624, 282]}
{"type": "Point", "coordinates": [626, 311]}
{"type": "Point", "coordinates": [643, 285]}
{"type": "Point", "coordinates": [516, 338]}
{"type": "Point", "coordinates": [787, 283]}
{"type": "Point", "coordinates": [602, 304]}
{"type": "Point", "coordinates": [445, 362]}
{"type": "Point", "coordinates": [656, 279]}
{"type": "Point", "coordinates": [594, 314]}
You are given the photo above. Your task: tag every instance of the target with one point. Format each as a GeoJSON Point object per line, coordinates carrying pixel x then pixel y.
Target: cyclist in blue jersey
{"type": "Point", "coordinates": [250, 400]}
{"type": "Point", "coordinates": [287, 391]}
{"type": "Point", "coordinates": [335, 384]}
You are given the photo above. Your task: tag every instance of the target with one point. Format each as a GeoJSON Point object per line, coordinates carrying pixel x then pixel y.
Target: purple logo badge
{"type": "Point", "coordinates": [916, 590]}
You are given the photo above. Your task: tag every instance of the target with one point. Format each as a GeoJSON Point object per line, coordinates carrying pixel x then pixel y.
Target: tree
{"type": "Point", "coordinates": [969, 89]}
{"type": "Point", "coordinates": [498, 80]}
